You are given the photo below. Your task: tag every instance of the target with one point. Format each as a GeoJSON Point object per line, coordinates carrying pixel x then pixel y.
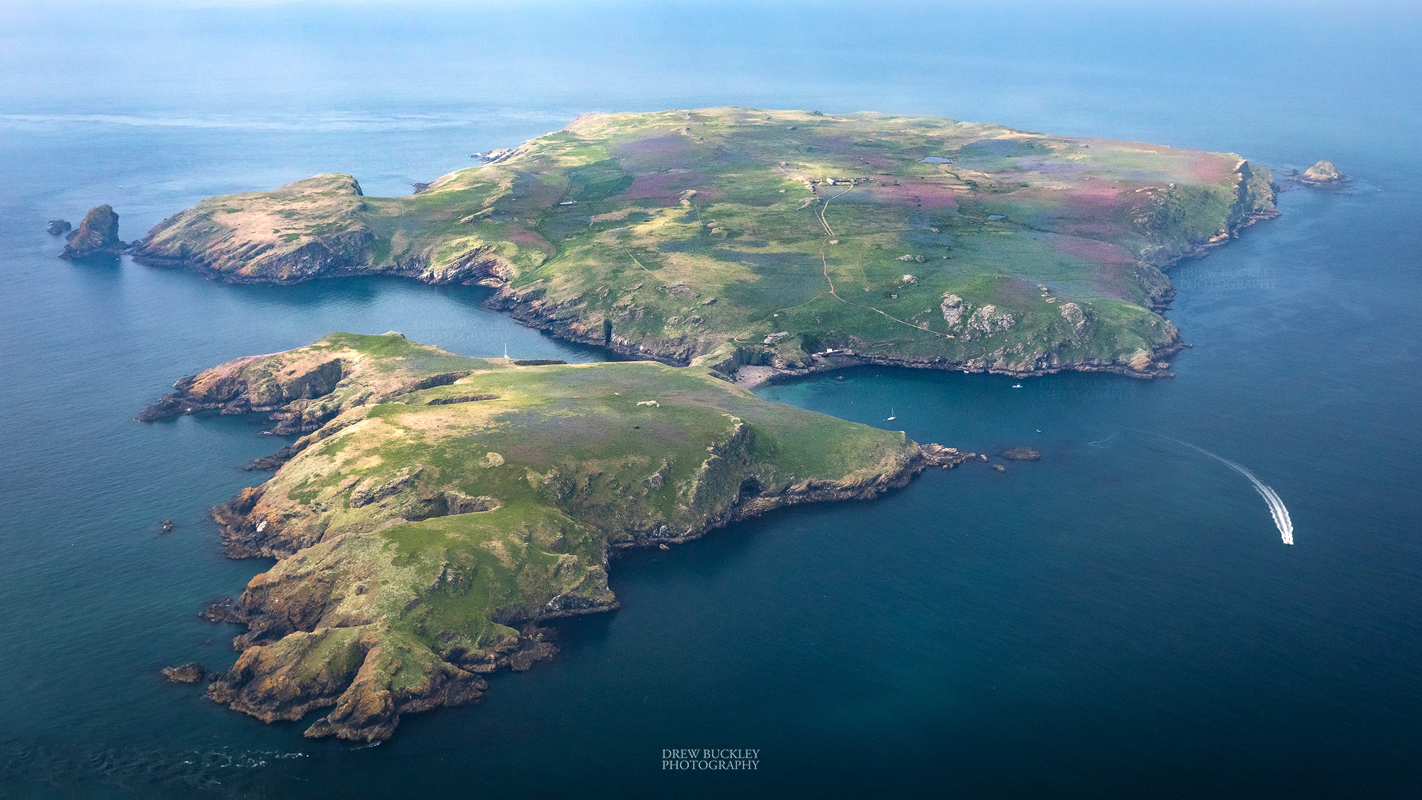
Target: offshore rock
{"type": "Point", "coordinates": [1323, 174]}
{"type": "Point", "coordinates": [58, 226]}
{"type": "Point", "coordinates": [191, 672]}
{"type": "Point", "coordinates": [97, 236]}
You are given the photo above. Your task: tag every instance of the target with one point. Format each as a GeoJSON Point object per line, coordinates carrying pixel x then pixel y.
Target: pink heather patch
{"type": "Point", "coordinates": [920, 195]}
{"type": "Point", "coordinates": [1101, 211]}
{"type": "Point", "coordinates": [1114, 264]}
{"type": "Point", "coordinates": [525, 236]}
{"type": "Point", "coordinates": [672, 150]}
{"type": "Point", "coordinates": [1093, 197]}
{"type": "Point", "coordinates": [1093, 250]}
{"type": "Point", "coordinates": [1089, 229]}
{"type": "Point", "coordinates": [1098, 212]}
{"type": "Point", "coordinates": [666, 188]}
{"type": "Point", "coordinates": [1210, 168]}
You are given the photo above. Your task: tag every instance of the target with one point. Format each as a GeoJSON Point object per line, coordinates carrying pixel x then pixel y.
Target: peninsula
{"type": "Point", "coordinates": [438, 507]}
{"type": "Point", "coordinates": [760, 242]}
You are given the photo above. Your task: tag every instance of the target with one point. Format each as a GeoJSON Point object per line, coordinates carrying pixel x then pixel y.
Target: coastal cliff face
{"type": "Point", "coordinates": [96, 237]}
{"type": "Point", "coordinates": [304, 389]}
{"type": "Point", "coordinates": [784, 240]}
{"type": "Point", "coordinates": [426, 528]}
{"type": "Point", "coordinates": [323, 226]}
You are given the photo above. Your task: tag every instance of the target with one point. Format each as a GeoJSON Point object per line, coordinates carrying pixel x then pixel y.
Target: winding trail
{"type": "Point", "coordinates": [635, 261]}
{"type": "Point", "coordinates": [824, 262]}
{"type": "Point", "coordinates": [824, 268]}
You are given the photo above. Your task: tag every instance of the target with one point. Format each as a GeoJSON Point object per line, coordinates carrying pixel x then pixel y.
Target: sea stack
{"type": "Point", "coordinates": [97, 235]}
{"type": "Point", "coordinates": [1323, 174]}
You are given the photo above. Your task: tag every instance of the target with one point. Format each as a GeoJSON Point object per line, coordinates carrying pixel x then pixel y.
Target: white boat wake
{"type": "Point", "coordinates": [1271, 497]}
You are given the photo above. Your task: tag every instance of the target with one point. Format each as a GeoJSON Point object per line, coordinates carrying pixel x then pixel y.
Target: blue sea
{"type": "Point", "coordinates": [1119, 619]}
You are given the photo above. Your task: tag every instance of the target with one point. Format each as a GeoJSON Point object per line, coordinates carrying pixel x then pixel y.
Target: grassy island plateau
{"type": "Point", "coordinates": [762, 243]}
{"type": "Point", "coordinates": [438, 507]}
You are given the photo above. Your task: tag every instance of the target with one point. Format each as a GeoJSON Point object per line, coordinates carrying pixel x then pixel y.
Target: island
{"type": "Point", "coordinates": [439, 507]}
{"type": "Point", "coordinates": [776, 243]}
{"type": "Point", "coordinates": [1321, 174]}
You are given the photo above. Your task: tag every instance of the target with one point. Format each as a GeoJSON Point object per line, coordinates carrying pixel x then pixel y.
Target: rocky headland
{"type": "Point", "coordinates": [439, 508]}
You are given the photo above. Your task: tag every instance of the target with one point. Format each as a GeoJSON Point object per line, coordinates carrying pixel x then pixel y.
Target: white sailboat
{"type": "Point", "coordinates": [892, 416]}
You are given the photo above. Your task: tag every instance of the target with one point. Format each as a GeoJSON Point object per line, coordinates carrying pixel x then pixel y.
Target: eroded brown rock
{"type": "Point", "coordinates": [96, 237]}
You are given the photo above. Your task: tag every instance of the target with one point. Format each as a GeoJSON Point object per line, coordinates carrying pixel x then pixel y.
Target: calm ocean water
{"type": "Point", "coordinates": [1119, 619]}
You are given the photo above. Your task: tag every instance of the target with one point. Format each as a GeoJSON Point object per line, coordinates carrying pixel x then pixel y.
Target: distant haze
{"type": "Point", "coordinates": [271, 58]}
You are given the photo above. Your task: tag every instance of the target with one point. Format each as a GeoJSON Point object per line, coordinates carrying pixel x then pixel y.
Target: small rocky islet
{"type": "Point", "coordinates": [95, 238]}
{"type": "Point", "coordinates": [1322, 174]}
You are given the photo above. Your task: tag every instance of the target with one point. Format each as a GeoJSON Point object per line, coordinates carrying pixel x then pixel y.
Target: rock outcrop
{"type": "Point", "coordinates": [191, 672]}
{"type": "Point", "coordinates": [304, 389]}
{"type": "Point", "coordinates": [97, 236]}
{"type": "Point", "coordinates": [58, 226]}
{"type": "Point", "coordinates": [1323, 174]}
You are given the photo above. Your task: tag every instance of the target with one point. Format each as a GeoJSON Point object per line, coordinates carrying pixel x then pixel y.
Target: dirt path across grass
{"type": "Point", "coordinates": [824, 261]}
